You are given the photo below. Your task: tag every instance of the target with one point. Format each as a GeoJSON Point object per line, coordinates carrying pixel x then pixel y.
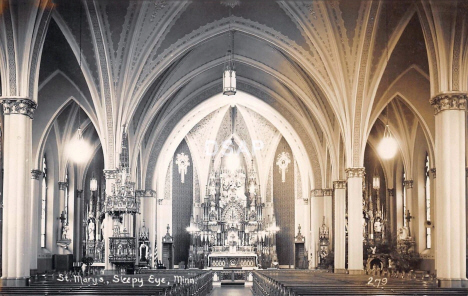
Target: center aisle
{"type": "Point", "coordinates": [231, 291]}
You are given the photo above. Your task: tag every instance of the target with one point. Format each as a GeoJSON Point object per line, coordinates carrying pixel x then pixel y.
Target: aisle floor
{"type": "Point", "coordinates": [231, 291]}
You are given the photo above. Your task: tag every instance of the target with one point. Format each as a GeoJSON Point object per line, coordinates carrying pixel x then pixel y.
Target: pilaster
{"type": "Point", "coordinates": [340, 225]}
{"type": "Point", "coordinates": [355, 237]}
{"type": "Point", "coordinates": [36, 183]}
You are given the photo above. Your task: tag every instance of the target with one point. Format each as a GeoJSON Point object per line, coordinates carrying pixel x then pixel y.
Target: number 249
{"type": "Point", "coordinates": [379, 282]}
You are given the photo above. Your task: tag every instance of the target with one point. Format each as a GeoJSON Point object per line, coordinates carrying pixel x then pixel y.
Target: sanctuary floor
{"type": "Point", "coordinates": [231, 291]}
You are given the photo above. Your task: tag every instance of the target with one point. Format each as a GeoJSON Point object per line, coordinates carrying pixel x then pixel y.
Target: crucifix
{"type": "Point", "coordinates": [408, 218]}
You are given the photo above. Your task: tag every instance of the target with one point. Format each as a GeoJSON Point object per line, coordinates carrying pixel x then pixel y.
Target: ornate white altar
{"type": "Point", "coordinates": [232, 232]}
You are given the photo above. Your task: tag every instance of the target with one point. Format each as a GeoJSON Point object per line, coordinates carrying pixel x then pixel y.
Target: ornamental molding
{"type": "Point", "coordinates": [391, 192]}
{"type": "Point", "coordinates": [433, 171]}
{"type": "Point", "coordinates": [110, 174]}
{"type": "Point", "coordinates": [340, 184]}
{"type": "Point", "coordinates": [36, 174]}
{"type": "Point", "coordinates": [21, 106]}
{"type": "Point", "coordinates": [62, 185]}
{"type": "Point", "coordinates": [357, 172]}
{"type": "Point", "coordinates": [317, 193]}
{"type": "Point", "coordinates": [449, 101]}
{"type": "Point", "coordinates": [408, 184]}
{"type": "Point", "coordinates": [327, 192]}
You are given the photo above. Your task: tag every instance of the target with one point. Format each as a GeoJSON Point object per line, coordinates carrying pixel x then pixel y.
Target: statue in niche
{"type": "Point", "coordinates": [143, 253]}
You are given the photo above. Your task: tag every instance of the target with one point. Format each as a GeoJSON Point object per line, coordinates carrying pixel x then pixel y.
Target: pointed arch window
{"type": "Point", "coordinates": [404, 200]}
{"type": "Point", "coordinates": [66, 196]}
{"type": "Point", "coordinates": [427, 185]}
{"type": "Point", "coordinates": [44, 202]}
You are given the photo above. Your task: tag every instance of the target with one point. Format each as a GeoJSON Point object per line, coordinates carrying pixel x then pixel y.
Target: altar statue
{"type": "Point", "coordinates": [91, 227]}
{"type": "Point", "coordinates": [377, 226]}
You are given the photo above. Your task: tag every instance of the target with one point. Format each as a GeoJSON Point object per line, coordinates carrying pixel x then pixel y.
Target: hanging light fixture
{"type": "Point", "coordinates": [376, 180]}
{"type": "Point", "coordinates": [388, 146]}
{"type": "Point", "coordinates": [78, 149]}
{"type": "Point", "coordinates": [229, 74]}
{"type": "Point", "coordinates": [93, 183]}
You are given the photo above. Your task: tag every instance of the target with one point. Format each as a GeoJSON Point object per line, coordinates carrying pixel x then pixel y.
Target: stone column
{"type": "Point", "coordinates": [450, 197]}
{"type": "Point", "coordinates": [111, 176]}
{"type": "Point", "coordinates": [409, 206]}
{"type": "Point", "coordinates": [16, 245]}
{"type": "Point", "coordinates": [355, 237]}
{"type": "Point", "coordinates": [36, 209]}
{"type": "Point", "coordinates": [340, 222]}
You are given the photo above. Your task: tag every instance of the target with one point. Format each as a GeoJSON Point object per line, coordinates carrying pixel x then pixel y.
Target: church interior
{"type": "Point", "coordinates": [232, 139]}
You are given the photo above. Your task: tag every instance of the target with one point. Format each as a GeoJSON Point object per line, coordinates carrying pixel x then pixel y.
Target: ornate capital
{"type": "Point", "coordinates": [433, 171]}
{"type": "Point", "coordinates": [145, 193]}
{"type": "Point", "coordinates": [340, 184]}
{"type": "Point", "coordinates": [110, 174]}
{"type": "Point", "coordinates": [355, 172]}
{"type": "Point", "coordinates": [408, 183]}
{"type": "Point", "coordinates": [62, 185]}
{"type": "Point", "coordinates": [449, 101]}
{"type": "Point", "coordinates": [327, 192]}
{"type": "Point", "coordinates": [316, 192]}
{"type": "Point", "coordinates": [306, 200]}
{"type": "Point", "coordinates": [391, 192]}
{"type": "Point", "coordinates": [79, 193]}
{"type": "Point", "coordinates": [19, 106]}
{"type": "Point", "coordinates": [36, 174]}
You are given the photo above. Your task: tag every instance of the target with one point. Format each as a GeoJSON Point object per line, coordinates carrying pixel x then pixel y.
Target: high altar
{"type": "Point", "coordinates": [232, 232]}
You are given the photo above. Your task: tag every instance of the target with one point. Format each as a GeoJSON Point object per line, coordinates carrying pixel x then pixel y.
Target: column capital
{"type": "Point", "coordinates": [433, 171]}
{"type": "Point", "coordinates": [110, 174]}
{"type": "Point", "coordinates": [316, 192]}
{"type": "Point", "coordinates": [408, 183]}
{"type": "Point", "coordinates": [357, 172]}
{"type": "Point", "coordinates": [449, 101]}
{"type": "Point", "coordinates": [391, 192]}
{"type": "Point", "coordinates": [36, 174]}
{"type": "Point", "coordinates": [22, 106]}
{"type": "Point", "coordinates": [62, 185]}
{"type": "Point", "coordinates": [339, 184]}
{"type": "Point", "coordinates": [79, 193]}
{"type": "Point", "coordinates": [327, 192]}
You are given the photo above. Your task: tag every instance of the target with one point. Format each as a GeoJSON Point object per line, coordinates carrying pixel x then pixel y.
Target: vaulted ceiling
{"type": "Point", "coordinates": [328, 67]}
